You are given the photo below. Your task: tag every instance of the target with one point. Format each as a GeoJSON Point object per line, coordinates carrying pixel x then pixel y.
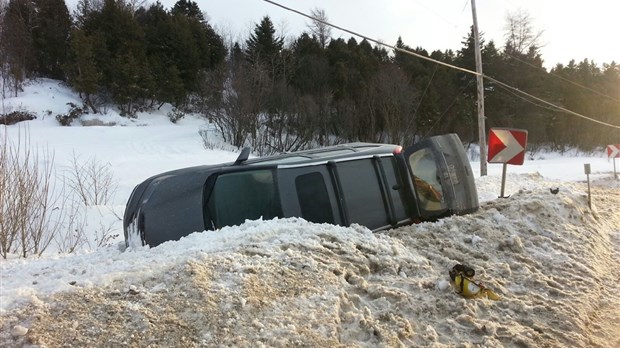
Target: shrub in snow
{"type": "Point", "coordinates": [27, 199]}
{"type": "Point", "coordinates": [16, 116]}
{"type": "Point", "coordinates": [36, 209]}
{"type": "Point", "coordinates": [92, 181]}
{"type": "Point", "coordinates": [74, 112]}
{"type": "Point", "coordinates": [175, 114]}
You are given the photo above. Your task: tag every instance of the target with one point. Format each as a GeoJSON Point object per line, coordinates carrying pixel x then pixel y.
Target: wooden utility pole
{"type": "Point", "coordinates": [482, 140]}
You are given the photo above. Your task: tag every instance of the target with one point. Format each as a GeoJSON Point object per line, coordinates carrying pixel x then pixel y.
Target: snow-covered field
{"type": "Point", "coordinates": [552, 259]}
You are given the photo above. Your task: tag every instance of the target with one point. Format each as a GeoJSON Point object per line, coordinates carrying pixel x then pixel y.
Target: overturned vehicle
{"type": "Point", "coordinates": [379, 186]}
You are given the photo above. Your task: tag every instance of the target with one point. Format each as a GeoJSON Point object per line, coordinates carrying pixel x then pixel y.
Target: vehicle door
{"type": "Point", "coordinates": [308, 192]}
{"type": "Point", "coordinates": [441, 176]}
{"type": "Point", "coordinates": [233, 197]}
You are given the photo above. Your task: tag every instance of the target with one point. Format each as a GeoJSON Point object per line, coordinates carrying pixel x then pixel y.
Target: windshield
{"type": "Point", "coordinates": [427, 181]}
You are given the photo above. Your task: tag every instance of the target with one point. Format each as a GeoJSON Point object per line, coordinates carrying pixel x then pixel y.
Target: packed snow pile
{"type": "Point", "coordinates": [284, 283]}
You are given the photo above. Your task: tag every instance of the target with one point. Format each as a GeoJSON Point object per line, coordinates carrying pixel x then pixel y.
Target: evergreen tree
{"type": "Point", "coordinates": [466, 121]}
{"type": "Point", "coordinates": [215, 49]}
{"type": "Point", "coordinates": [17, 43]}
{"type": "Point", "coordinates": [609, 108]}
{"type": "Point", "coordinates": [165, 50]}
{"type": "Point", "coordinates": [497, 101]}
{"type": "Point", "coordinates": [81, 69]}
{"type": "Point", "coordinates": [131, 83]}
{"type": "Point", "coordinates": [50, 37]}
{"type": "Point", "coordinates": [181, 40]}
{"type": "Point", "coordinates": [188, 8]}
{"type": "Point", "coordinates": [85, 9]}
{"type": "Point", "coordinates": [36, 38]}
{"type": "Point", "coordinates": [263, 47]}
{"type": "Point", "coordinates": [119, 52]}
{"type": "Point", "coordinates": [4, 74]}
{"type": "Point", "coordinates": [311, 69]}
{"type": "Point", "coordinates": [310, 78]}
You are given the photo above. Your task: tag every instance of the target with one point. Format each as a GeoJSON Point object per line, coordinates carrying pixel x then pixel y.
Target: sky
{"type": "Point", "coordinates": [571, 29]}
{"type": "Point", "coordinates": [281, 283]}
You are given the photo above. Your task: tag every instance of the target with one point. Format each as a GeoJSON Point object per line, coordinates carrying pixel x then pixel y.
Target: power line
{"type": "Point", "coordinates": [454, 25]}
{"type": "Point", "coordinates": [435, 13]}
{"type": "Point", "coordinates": [528, 100]}
{"type": "Point", "coordinates": [370, 39]}
{"type": "Point", "coordinates": [450, 106]}
{"type": "Point", "coordinates": [440, 63]}
{"type": "Point", "coordinates": [428, 85]}
{"type": "Point", "coordinates": [563, 78]}
{"type": "Point", "coordinates": [550, 104]}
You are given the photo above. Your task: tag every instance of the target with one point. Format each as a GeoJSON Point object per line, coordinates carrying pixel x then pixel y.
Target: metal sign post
{"type": "Point", "coordinates": [503, 180]}
{"type": "Point", "coordinates": [586, 169]}
{"type": "Point", "coordinates": [613, 152]}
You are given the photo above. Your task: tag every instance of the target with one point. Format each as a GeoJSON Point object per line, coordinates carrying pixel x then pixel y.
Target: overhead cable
{"type": "Point", "coordinates": [440, 63]}
{"type": "Point", "coordinates": [564, 78]}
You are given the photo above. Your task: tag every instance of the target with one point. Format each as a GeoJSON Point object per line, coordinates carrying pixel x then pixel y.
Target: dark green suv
{"type": "Point", "coordinates": [379, 186]}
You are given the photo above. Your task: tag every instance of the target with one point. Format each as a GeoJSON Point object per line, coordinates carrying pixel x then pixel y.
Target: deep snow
{"type": "Point", "coordinates": [288, 282]}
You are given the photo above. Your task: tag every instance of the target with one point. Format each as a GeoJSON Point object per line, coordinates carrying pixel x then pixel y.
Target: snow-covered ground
{"type": "Point", "coordinates": [552, 259]}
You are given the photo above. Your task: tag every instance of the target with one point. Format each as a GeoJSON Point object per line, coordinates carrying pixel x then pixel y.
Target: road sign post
{"type": "Point", "coordinates": [587, 170]}
{"type": "Point", "coordinates": [613, 152]}
{"type": "Point", "coordinates": [503, 180]}
{"type": "Point", "coordinates": [507, 146]}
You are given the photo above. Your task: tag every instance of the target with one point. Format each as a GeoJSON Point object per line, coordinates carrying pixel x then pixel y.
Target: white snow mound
{"type": "Point", "coordinates": [289, 283]}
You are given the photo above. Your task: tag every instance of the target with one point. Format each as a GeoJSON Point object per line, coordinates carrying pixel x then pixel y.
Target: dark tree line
{"type": "Point", "coordinates": [283, 95]}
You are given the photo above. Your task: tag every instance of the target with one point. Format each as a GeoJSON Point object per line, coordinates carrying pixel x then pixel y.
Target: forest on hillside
{"type": "Point", "coordinates": [276, 92]}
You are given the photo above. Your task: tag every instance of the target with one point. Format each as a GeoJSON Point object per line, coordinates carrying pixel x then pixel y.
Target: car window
{"type": "Point", "coordinates": [427, 181]}
{"type": "Point", "coordinates": [247, 195]}
{"type": "Point", "coordinates": [389, 166]}
{"type": "Point", "coordinates": [313, 198]}
{"type": "Point", "coordinates": [362, 193]}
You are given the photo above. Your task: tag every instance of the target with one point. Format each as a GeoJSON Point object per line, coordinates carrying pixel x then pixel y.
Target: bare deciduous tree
{"type": "Point", "coordinates": [391, 100]}
{"type": "Point", "coordinates": [318, 28]}
{"type": "Point", "coordinates": [4, 174]}
{"type": "Point", "coordinates": [520, 34]}
{"type": "Point", "coordinates": [73, 234]}
{"type": "Point", "coordinates": [4, 72]}
{"type": "Point", "coordinates": [134, 5]}
{"type": "Point", "coordinates": [29, 199]}
{"type": "Point", "coordinates": [92, 181]}
{"type": "Point", "coordinates": [37, 209]}
{"type": "Point", "coordinates": [86, 7]}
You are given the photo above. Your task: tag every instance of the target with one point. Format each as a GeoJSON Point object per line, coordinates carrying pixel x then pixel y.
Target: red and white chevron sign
{"type": "Point", "coordinates": [613, 151]}
{"type": "Point", "coordinates": [507, 145]}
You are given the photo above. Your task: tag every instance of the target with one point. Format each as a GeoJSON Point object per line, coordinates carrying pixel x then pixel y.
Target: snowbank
{"type": "Point", "coordinates": [291, 283]}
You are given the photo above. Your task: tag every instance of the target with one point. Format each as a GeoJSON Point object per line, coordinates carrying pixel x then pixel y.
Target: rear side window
{"type": "Point", "coordinates": [362, 193]}
{"type": "Point", "coordinates": [389, 165]}
{"type": "Point", "coordinates": [237, 197]}
{"type": "Point", "coordinates": [313, 198]}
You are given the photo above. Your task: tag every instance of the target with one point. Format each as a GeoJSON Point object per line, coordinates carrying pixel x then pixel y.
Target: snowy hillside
{"type": "Point", "coordinates": [284, 283]}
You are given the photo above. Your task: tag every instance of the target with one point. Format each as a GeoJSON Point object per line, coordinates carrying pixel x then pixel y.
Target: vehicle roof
{"type": "Point", "coordinates": [181, 177]}
{"type": "Point", "coordinates": [309, 157]}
